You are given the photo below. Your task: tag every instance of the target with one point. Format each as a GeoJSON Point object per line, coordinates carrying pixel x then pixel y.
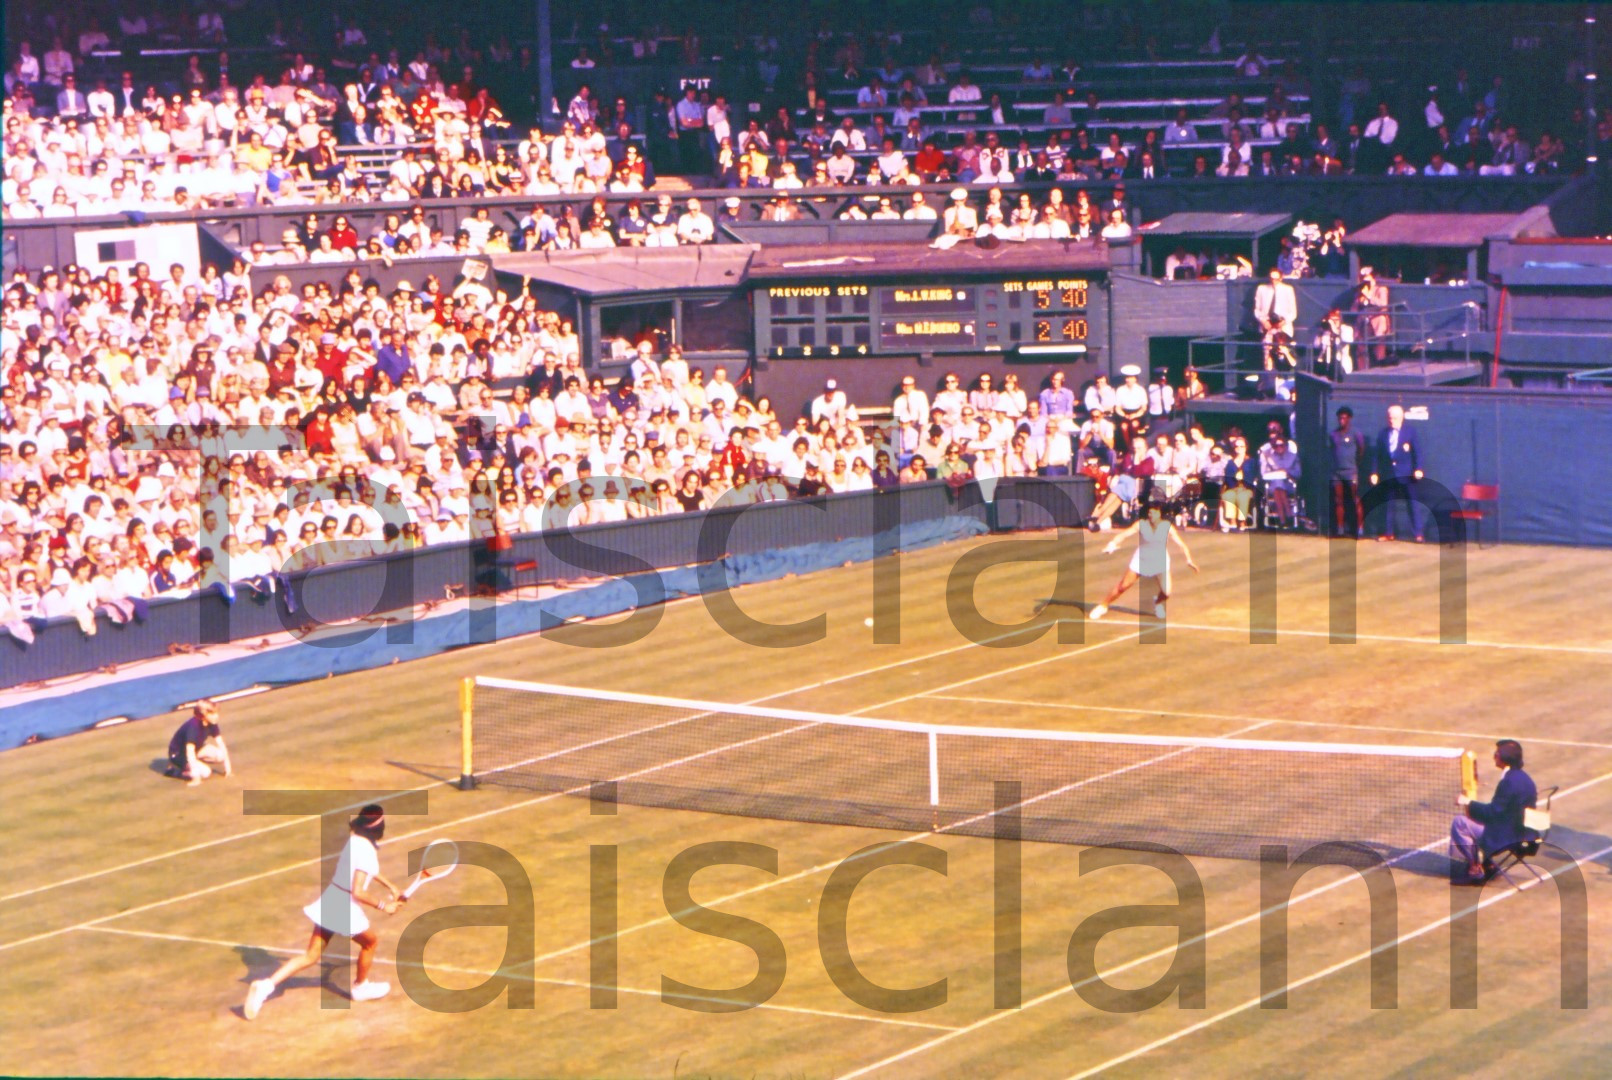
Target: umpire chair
{"type": "Point", "coordinates": [1535, 819]}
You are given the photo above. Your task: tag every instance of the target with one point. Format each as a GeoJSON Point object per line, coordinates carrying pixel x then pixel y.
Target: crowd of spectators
{"type": "Point", "coordinates": [285, 128]}
{"type": "Point", "coordinates": [289, 145]}
{"type": "Point", "coordinates": [159, 436]}
{"type": "Point", "coordinates": [1129, 439]}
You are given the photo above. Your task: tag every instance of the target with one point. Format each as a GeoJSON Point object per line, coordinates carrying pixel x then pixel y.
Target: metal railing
{"type": "Point", "coordinates": [1415, 339]}
{"type": "Point", "coordinates": [1598, 381]}
{"type": "Point", "coordinates": [50, 241]}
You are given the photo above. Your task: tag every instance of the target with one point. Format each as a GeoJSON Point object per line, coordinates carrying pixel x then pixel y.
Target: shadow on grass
{"type": "Point", "coordinates": [1434, 864]}
{"type": "Point", "coordinates": [440, 773]}
{"type": "Point", "coordinates": [1580, 843]}
{"type": "Point", "coordinates": [260, 963]}
{"type": "Point", "coordinates": [1085, 606]}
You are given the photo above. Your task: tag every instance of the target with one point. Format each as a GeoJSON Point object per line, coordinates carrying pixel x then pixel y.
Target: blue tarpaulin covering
{"type": "Point", "coordinates": [360, 650]}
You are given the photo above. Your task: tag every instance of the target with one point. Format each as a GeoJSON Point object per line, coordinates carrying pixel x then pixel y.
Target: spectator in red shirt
{"type": "Point", "coordinates": [328, 360]}
{"type": "Point", "coordinates": [930, 163]}
{"type": "Point", "coordinates": [486, 111]}
{"type": "Point", "coordinates": [282, 368]}
{"type": "Point", "coordinates": [316, 433]}
{"type": "Point", "coordinates": [343, 235]}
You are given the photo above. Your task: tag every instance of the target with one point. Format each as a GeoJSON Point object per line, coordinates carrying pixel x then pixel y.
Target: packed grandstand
{"type": "Point", "coordinates": [170, 425]}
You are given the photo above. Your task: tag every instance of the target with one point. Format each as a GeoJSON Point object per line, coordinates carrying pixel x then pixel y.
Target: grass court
{"type": "Point", "coordinates": [135, 911]}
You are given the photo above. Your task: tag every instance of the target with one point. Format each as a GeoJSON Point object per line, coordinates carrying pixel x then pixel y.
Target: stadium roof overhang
{"type": "Point", "coordinates": [1194, 223]}
{"type": "Point", "coordinates": [617, 271]}
{"type": "Point", "coordinates": [622, 271]}
{"type": "Point", "coordinates": [1443, 230]}
{"type": "Point", "coordinates": [909, 261]}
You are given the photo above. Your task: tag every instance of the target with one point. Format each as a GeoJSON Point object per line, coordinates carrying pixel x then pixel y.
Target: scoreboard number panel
{"type": "Point", "coordinates": [1072, 329]}
{"type": "Point", "coordinates": [928, 333]}
{"type": "Point", "coordinates": [1039, 314]}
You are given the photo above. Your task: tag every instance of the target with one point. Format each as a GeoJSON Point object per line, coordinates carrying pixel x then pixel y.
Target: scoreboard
{"type": "Point", "coordinates": [1054, 314]}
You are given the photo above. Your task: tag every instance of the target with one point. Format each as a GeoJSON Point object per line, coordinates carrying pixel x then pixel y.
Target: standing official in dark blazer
{"type": "Point", "coordinates": [127, 98]}
{"type": "Point", "coordinates": [1398, 467]}
{"type": "Point", "coordinates": [1484, 829]}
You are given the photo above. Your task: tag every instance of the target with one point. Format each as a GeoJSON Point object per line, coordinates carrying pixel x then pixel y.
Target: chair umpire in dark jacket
{"type": "Point", "coordinates": [1487, 828]}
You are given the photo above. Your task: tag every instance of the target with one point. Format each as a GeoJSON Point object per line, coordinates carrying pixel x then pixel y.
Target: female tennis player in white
{"type": "Point", "coordinates": [1154, 531]}
{"type": "Point", "coordinates": [340, 910]}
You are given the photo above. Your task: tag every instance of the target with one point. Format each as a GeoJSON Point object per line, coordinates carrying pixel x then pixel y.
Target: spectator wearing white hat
{"type": "Point", "coordinates": [71, 593]}
{"type": "Point", "coordinates": [830, 405]}
{"type": "Point", "coordinates": [1130, 403]}
{"type": "Point", "coordinates": [961, 219]}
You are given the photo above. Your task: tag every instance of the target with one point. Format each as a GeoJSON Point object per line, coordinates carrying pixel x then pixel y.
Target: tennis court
{"type": "Point", "coordinates": [135, 910]}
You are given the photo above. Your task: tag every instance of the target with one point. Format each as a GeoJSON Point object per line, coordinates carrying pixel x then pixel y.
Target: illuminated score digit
{"type": "Point", "coordinates": [1043, 330]}
{"type": "Point", "coordinates": [1074, 329]}
{"type": "Point", "coordinates": [1043, 299]}
{"type": "Point", "coordinates": [1075, 296]}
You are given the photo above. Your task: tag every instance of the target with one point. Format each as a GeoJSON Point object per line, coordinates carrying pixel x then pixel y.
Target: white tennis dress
{"type": "Point", "coordinates": [336, 910]}
{"type": "Point", "coordinates": [1152, 558]}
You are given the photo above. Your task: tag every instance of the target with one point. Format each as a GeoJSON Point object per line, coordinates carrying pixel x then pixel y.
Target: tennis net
{"type": "Point", "coordinates": [1199, 796]}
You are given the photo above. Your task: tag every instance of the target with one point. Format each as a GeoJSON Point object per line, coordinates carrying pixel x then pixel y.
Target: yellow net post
{"type": "Point", "coordinates": [467, 693]}
{"type": "Point", "coordinates": [1469, 775]}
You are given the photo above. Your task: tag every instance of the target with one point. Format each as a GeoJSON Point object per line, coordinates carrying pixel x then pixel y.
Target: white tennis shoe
{"type": "Point", "coordinates": [1158, 611]}
{"type": "Point", "coordinates": [371, 990]}
{"type": "Point", "coordinates": [1097, 612]}
{"type": "Point", "coordinates": [256, 995]}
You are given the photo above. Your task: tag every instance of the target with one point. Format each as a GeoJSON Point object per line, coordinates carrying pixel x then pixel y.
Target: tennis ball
{"type": "Point", "coordinates": [867, 622]}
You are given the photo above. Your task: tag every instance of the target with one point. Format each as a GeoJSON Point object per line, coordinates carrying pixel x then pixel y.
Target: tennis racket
{"type": "Point", "coordinates": [441, 858]}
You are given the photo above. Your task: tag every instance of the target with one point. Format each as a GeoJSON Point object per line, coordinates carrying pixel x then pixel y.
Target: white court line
{"type": "Point", "coordinates": [1325, 972]}
{"type": "Point", "coordinates": [46, 935]}
{"type": "Point", "coordinates": [185, 939]}
{"type": "Point", "coordinates": [203, 846]}
{"type": "Point", "coordinates": [149, 859]}
{"type": "Point", "coordinates": [90, 923]}
{"type": "Point", "coordinates": [1235, 718]}
{"type": "Point", "coordinates": [1158, 954]}
{"type": "Point", "coordinates": [1392, 638]}
{"type": "Point", "coordinates": [339, 809]}
{"type": "Point", "coordinates": [815, 686]}
{"type": "Point", "coordinates": [821, 867]}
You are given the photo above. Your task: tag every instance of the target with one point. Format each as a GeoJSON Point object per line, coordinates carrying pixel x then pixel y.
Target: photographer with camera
{"type": "Point", "coordinates": [1276, 306]}
{"type": "Point", "coordinates": [1371, 298]}
{"type": "Point", "coordinates": [1334, 347]}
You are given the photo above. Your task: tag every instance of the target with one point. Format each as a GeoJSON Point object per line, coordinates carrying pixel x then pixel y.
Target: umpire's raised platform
{"type": "Point", "coordinates": [1414, 373]}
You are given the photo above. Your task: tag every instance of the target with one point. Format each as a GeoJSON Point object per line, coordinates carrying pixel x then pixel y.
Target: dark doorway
{"type": "Point", "coordinates": [1169, 353]}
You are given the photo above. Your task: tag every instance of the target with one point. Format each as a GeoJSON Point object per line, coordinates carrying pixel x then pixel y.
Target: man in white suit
{"type": "Point", "coordinates": [1276, 306]}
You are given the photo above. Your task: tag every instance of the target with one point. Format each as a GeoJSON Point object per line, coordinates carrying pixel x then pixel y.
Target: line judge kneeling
{"type": "Point", "coordinates": [197, 749]}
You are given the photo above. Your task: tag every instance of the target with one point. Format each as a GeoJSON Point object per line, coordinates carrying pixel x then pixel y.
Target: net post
{"type": "Point", "coordinates": [467, 694]}
{"type": "Point", "coordinates": [934, 779]}
{"type": "Point", "coordinates": [1469, 774]}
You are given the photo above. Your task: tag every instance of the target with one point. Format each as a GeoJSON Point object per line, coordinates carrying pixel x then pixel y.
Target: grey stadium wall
{"type": "Point", "coordinates": [1549, 452]}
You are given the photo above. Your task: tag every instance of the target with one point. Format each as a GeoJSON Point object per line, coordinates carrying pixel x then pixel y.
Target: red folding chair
{"type": "Point", "coordinates": [1479, 502]}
